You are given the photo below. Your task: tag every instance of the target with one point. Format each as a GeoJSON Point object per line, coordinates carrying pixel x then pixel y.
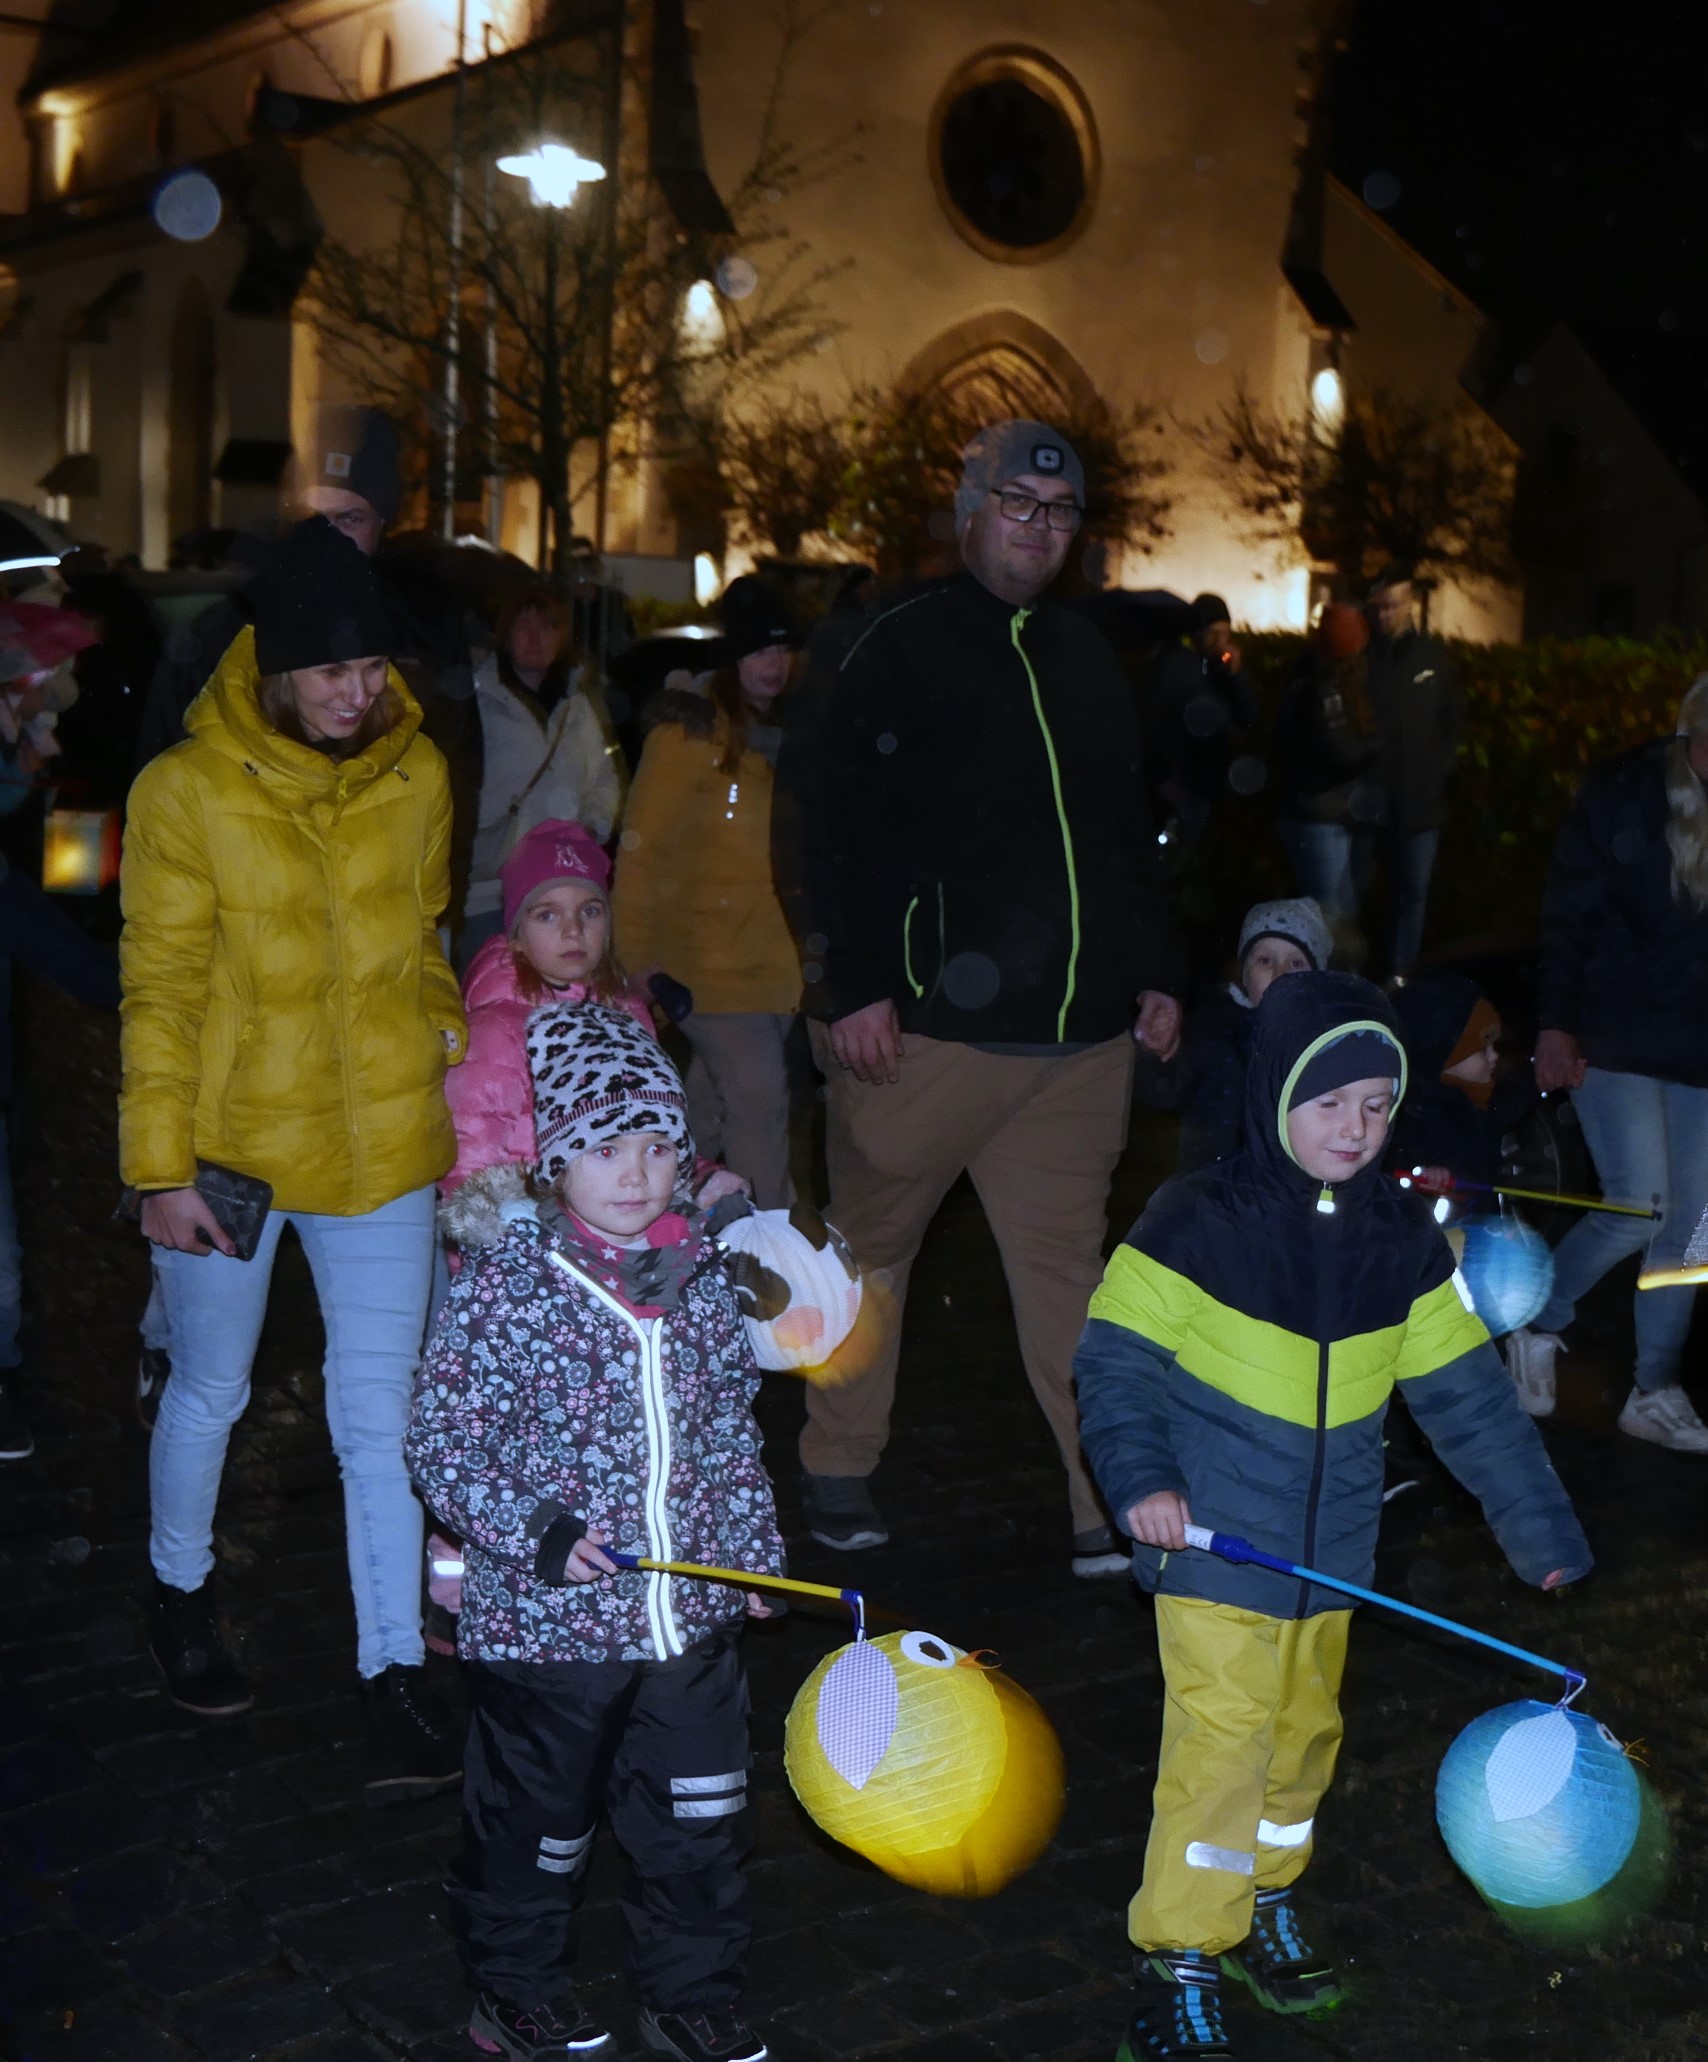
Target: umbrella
{"type": "Point", "coordinates": [28, 540]}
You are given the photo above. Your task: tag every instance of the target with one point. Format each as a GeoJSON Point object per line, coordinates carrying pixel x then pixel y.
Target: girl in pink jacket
{"type": "Point", "coordinates": [555, 947]}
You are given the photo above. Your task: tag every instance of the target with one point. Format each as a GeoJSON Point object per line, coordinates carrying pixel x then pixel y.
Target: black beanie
{"type": "Point", "coordinates": [356, 449]}
{"type": "Point", "coordinates": [318, 602]}
{"type": "Point", "coordinates": [1359, 1056]}
{"type": "Point", "coordinates": [1208, 609]}
{"type": "Point", "coordinates": [755, 615]}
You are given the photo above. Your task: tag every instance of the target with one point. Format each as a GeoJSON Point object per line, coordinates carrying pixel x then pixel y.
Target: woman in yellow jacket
{"type": "Point", "coordinates": [694, 895]}
{"type": "Point", "coordinates": [288, 1014]}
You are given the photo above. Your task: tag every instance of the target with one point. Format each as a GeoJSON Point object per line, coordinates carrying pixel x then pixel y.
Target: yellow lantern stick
{"type": "Point", "coordinates": [741, 1577]}
{"type": "Point", "coordinates": [1495, 1188]}
{"type": "Point", "coordinates": [1674, 1277]}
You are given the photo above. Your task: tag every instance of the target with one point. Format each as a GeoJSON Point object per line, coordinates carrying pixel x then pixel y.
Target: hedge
{"type": "Point", "coordinates": [1536, 717]}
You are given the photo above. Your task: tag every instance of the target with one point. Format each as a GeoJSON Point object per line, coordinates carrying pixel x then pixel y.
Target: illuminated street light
{"type": "Point", "coordinates": [1328, 400]}
{"type": "Point", "coordinates": [554, 172]}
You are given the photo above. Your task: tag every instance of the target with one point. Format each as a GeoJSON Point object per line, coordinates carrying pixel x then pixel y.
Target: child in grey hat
{"type": "Point", "coordinates": [1205, 1081]}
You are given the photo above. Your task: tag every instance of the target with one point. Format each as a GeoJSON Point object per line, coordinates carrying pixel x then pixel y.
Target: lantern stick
{"type": "Point", "coordinates": [1495, 1188]}
{"type": "Point", "coordinates": [1674, 1277]}
{"type": "Point", "coordinates": [1228, 1547]}
{"type": "Point", "coordinates": [853, 1598]}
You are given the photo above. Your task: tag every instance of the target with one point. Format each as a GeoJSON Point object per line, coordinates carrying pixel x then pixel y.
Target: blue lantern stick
{"type": "Point", "coordinates": [1227, 1547]}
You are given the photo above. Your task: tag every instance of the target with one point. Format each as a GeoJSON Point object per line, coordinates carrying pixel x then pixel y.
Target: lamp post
{"type": "Point", "coordinates": [454, 312]}
{"type": "Point", "coordinates": [555, 174]}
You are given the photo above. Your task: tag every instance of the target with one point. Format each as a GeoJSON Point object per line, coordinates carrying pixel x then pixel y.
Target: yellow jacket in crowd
{"type": "Point", "coordinates": [693, 892]}
{"type": "Point", "coordinates": [287, 1008]}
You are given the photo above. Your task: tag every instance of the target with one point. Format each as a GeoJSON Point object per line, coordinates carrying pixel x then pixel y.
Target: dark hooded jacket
{"type": "Point", "coordinates": [1438, 1124]}
{"type": "Point", "coordinates": [1245, 1341]}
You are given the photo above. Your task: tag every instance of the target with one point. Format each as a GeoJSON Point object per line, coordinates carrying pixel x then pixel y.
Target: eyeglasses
{"type": "Point", "coordinates": [1020, 507]}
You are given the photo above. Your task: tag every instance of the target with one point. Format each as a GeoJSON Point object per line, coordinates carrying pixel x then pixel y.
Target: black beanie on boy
{"type": "Point", "coordinates": [1360, 1056]}
{"type": "Point", "coordinates": [318, 602]}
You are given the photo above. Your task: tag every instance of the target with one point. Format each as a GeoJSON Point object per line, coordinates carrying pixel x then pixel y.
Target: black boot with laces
{"type": "Point", "coordinates": [563, 2031]}
{"type": "Point", "coordinates": [715, 2036]}
{"type": "Point", "coordinates": [200, 1675]}
{"type": "Point", "coordinates": [1277, 1963]}
{"type": "Point", "coordinates": [1177, 2010]}
{"type": "Point", "coordinates": [416, 1745]}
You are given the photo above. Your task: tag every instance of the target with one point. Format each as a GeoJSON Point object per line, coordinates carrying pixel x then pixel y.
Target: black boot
{"type": "Point", "coordinates": [562, 2031]}
{"type": "Point", "coordinates": [417, 1747]}
{"type": "Point", "coordinates": [200, 1675]}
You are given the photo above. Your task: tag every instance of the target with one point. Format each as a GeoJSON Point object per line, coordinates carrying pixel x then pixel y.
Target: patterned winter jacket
{"type": "Point", "coordinates": [544, 1398]}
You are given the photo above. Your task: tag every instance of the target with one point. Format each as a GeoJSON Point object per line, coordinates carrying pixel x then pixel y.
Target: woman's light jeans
{"type": "Point", "coordinates": [371, 1274]}
{"type": "Point", "coordinates": [1649, 1140]}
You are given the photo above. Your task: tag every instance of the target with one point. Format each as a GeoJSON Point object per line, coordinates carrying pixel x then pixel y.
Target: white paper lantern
{"type": "Point", "coordinates": [799, 1289]}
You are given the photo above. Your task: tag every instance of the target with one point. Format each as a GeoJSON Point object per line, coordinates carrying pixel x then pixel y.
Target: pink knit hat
{"type": "Point", "coordinates": [553, 851]}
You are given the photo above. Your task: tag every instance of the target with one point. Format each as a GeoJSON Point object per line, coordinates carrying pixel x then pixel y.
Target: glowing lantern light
{"type": "Point", "coordinates": [798, 1287]}
{"type": "Point", "coordinates": [926, 1761]}
{"type": "Point", "coordinates": [1537, 1804]}
{"type": "Point", "coordinates": [707, 583]}
{"type": "Point", "coordinates": [1508, 1267]}
{"type": "Point", "coordinates": [80, 850]}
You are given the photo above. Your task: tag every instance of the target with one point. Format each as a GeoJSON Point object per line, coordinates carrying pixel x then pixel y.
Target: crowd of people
{"type": "Point", "coordinates": [918, 844]}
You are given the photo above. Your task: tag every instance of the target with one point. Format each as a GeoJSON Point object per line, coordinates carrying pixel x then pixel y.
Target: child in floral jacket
{"type": "Point", "coordinates": [589, 1384]}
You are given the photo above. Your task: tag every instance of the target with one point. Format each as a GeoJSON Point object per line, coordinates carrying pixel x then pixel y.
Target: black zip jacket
{"type": "Point", "coordinates": [1415, 694]}
{"type": "Point", "coordinates": [980, 850]}
{"type": "Point", "coordinates": [1323, 749]}
{"type": "Point", "coordinates": [1624, 959]}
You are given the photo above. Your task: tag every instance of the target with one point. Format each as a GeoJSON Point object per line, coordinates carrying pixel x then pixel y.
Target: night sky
{"type": "Point", "coordinates": [1552, 160]}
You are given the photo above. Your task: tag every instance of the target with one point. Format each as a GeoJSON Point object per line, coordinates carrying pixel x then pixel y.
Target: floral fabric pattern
{"type": "Point", "coordinates": [540, 1396]}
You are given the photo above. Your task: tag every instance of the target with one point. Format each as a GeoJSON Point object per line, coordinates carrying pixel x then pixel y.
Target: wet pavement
{"type": "Point", "coordinates": [173, 1889]}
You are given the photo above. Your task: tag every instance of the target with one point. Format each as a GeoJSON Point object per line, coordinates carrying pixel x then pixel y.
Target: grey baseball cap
{"type": "Point", "coordinates": [1006, 450]}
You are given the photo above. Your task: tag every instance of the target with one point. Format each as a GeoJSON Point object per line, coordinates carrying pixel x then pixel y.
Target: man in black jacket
{"type": "Point", "coordinates": [1416, 701]}
{"type": "Point", "coordinates": [981, 915]}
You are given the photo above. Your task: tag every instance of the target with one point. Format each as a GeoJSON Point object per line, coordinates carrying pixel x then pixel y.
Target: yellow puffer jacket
{"type": "Point", "coordinates": [287, 1008]}
{"type": "Point", "coordinates": [693, 892]}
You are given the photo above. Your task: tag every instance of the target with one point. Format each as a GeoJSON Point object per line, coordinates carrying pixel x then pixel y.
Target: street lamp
{"type": "Point", "coordinates": [554, 173]}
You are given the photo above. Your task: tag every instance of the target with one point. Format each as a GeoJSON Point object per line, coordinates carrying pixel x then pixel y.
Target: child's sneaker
{"type": "Point", "coordinates": [700, 2037]}
{"type": "Point", "coordinates": [1277, 1965]}
{"type": "Point", "coordinates": [1530, 1363]}
{"type": "Point", "coordinates": [1177, 2009]}
{"type": "Point", "coordinates": [553, 2032]}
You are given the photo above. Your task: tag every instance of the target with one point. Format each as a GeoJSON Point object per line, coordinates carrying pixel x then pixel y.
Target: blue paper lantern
{"type": "Point", "coordinates": [1537, 1804]}
{"type": "Point", "coordinates": [1508, 1269]}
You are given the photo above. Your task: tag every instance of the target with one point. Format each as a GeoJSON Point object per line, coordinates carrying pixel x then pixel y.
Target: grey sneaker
{"type": "Point", "coordinates": [1099, 1552]}
{"type": "Point", "coordinates": [840, 1512]}
{"type": "Point", "coordinates": [1530, 1363]}
{"type": "Point", "coordinates": [1665, 1416]}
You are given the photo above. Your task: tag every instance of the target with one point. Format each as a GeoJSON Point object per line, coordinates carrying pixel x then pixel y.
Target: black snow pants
{"type": "Point", "coordinates": [662, 1746]}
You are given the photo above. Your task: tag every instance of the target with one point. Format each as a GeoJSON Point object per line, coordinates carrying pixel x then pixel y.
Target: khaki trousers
{"type": "Point", "coordinates": [1250, 1734]}
{"type": "Point", "coordinates": [1040, 1138]}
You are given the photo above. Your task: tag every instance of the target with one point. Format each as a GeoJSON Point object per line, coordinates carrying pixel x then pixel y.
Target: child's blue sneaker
{"type": "Point", "coordinates": [1177, 2009]}
{"type": "Point", "coordinates": [1277, 1964]}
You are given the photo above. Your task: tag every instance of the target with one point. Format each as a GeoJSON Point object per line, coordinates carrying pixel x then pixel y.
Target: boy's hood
{"type": "Point", "coordinates": [1433, 1012]}
{"type": "Point", "coordinates": [1297, 1017]}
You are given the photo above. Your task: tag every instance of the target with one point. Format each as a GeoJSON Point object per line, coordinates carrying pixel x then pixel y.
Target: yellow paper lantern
{"type": "Point", "coordinates": [927, 1761]}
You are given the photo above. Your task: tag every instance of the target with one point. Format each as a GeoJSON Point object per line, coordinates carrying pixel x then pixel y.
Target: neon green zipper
{"type": "Point", "coordinates": [1015, 622]}
{"type": "Point", "coordinates": [907, 948]}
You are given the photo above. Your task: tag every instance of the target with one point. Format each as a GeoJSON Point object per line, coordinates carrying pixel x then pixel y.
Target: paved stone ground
{"type": "Point", "coordinates": [172, 1890]}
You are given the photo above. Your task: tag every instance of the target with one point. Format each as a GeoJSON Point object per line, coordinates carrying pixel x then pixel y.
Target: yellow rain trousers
{"type": "Point", "coordinates": [1250, 1732]}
